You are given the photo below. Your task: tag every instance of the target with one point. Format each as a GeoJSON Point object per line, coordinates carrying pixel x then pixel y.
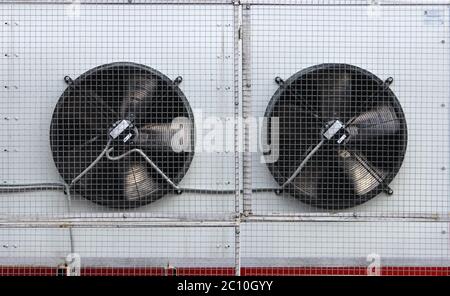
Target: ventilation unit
{"type": "Point", "coordinates": [122, 135]}
{"type": "Point", "coordinates": [342, 135]}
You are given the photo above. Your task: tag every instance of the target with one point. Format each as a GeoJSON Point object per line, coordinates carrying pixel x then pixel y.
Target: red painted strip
{"type": "Point", "coordinates": [224, 271]}
{"type": "Point", "coordinates": [27, 271]}
{"type": "Point", "coordinates": [122, 271]}
{"type": "Point", "coordinates": [386, 271]}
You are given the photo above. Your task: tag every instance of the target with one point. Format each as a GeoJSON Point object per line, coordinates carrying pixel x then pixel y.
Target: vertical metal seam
{"type": "Point", "coordinates": [246, 110]}
{"type": "Point", "coordinates": [237, 70]}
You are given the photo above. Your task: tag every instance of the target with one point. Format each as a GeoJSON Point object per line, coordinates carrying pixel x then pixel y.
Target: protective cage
{"type": "Point", "coordinates": [227, 137]}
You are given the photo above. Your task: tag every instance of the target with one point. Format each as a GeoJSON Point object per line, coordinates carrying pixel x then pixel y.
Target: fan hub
{"type": "Point", "coordinates": [335, 130]}
{"type": "Point", "coordinates": [122, 131]}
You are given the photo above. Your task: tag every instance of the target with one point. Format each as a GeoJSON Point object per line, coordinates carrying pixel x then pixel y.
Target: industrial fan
{"type": "Point", "coordinates": [342, 135]}
{"type": "Point", "coordinates": [122, 135]}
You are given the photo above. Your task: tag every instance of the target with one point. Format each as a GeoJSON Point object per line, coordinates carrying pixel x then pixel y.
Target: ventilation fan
{"type": "Point", "coordinates": [122, 135]}
{"type": "Point", "coordinates": [342, 135]}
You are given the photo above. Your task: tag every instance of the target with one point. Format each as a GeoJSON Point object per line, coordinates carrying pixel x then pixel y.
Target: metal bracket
{"type": "Point", "coordinates": [177, 81]}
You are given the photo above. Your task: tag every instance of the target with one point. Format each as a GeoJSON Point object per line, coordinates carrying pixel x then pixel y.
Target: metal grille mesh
{"type": "Point", "coordinates": [267, 188]}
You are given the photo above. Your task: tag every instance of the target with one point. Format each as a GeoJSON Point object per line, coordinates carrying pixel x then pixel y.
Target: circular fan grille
{"type": "Point", "coordinates": [97, 102]}
{"type": "Point", "coordinates": [342, 136]}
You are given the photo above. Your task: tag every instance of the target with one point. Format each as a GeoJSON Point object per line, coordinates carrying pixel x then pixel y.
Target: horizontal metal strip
{"type": "Point", "coordinates": [347, 217]}
{"type": "Point", "coordinates": [344, 2]}
{"type": "Point", "coordinates": [119, 2]}
{"type": "Point", "coordinates": [114, 223]}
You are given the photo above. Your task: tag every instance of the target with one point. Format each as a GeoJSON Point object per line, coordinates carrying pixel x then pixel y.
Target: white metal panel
{"type": "Point", "coordinates": [345, 244]}
{"type": "Point", "coordinates": [52, 41]}
{"type": "Point", "coordinates": [409, 43]}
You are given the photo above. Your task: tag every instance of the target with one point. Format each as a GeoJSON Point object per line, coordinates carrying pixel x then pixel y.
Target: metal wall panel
{"type": "Point", "coordinates": [230, 215]}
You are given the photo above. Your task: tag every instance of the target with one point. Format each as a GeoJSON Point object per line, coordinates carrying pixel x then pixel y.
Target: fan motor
{"type": "Point", "coordinates": [342, 135]}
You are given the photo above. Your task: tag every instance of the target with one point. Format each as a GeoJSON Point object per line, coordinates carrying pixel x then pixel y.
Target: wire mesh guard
{"type": "Point", "coordinates": [228, 137]}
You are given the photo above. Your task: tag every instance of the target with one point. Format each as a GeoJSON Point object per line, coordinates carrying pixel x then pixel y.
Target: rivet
{"type": "Point", "coordinates": [5, 246]}
{"type": "Point", "coordinates": [442, 168]}
{"type": "Point", "coordinates": [442, 105]}
{"type": "Point", "coordinates": [442, 41]}
{"type": "Point", "coordinates": [443, 231]}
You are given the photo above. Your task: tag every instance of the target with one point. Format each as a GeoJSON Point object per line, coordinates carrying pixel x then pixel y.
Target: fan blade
{"type": "Point", "coordinates": [335, 94]}
{"type": "Point", "coordinates": [380, 121]}
{"type": "Point", "coordinates": [298, 131]}
{"type": "Point", "coordinates": [363, 175]}
{"type": "Point", "coordinates": [164, 137]}
{"type": "Point", "coordinates": [138, 93]}
{"type": "Point", "coordinates": [334, 189]}
{"type": "Point", "coordinates": [137, 182]}
{"type": "Point", "coordinates": [307, 181]}
{"type": "Point", "coordinates": [119, 184]}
